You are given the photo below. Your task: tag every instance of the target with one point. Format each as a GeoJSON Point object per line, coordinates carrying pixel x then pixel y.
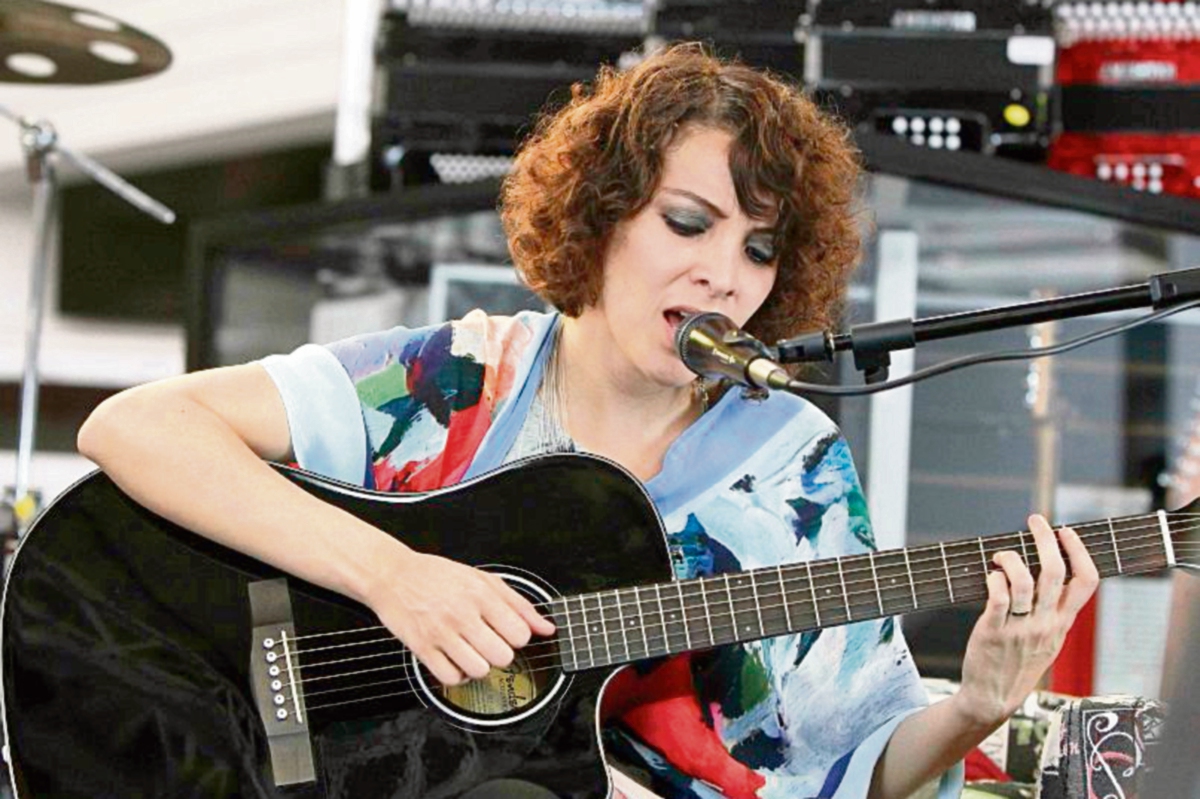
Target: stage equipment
{"type": "Point", "coordinates": [44, 42]}
{"type": "Point", "coordinates": [467, 77]}
{"type": "Point", "coordinates": [114, 618]}
{"type": "Point", "coordinates": [951, 74]}
{"type": "Point", "coordinates": [712, 346]}
{"type": "Point", "coordinates": [757, 33]}
{"type": "Point", "coordinates": [873, 343]}
{"type": "Point", "coordinates": [40, 143]}
{"type": "Point", "coordinates": [1128, 80]}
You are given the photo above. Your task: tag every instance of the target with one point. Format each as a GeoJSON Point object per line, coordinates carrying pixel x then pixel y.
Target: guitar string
{"type": "Point", "coordinates": [871, 571]}
{"type": "Point", "coordinates": [586, 637]}
{"type": "Point", "coordinates": [406, 677]}
{"type": "Point", "coordinates": [829, 590]}
{"type": "Point", "coordinates": [1103, 533]}
{"type": "Point", "coordinates": [969, 595]}
{"type": "Point", "coordinates": [770, 587]}
{"type": "Point", "coordinates": [725, 620]}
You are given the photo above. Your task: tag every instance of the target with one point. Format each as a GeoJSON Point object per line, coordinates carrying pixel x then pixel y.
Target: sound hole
{"type": "Point", "coordinates": [509, 690]}
{"type": "Point", "coordinates": [511, 693]}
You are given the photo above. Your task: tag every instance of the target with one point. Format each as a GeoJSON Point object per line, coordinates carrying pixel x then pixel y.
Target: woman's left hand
{"type": "Point", "coordinates": [1023, 626]}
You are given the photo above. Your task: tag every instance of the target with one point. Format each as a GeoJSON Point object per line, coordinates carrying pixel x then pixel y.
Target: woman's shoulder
{"type": "Point", "coordinates": [476, 336]}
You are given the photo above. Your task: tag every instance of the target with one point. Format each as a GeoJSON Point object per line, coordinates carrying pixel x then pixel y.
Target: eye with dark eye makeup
{"type": "Point", "coordinates": [761, 250]}
{"type": "Point", "coordinates": [687, 224]}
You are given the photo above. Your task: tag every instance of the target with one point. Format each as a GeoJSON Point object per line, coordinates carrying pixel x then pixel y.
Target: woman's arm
{"type": "Point", "coordinates": [192, 449]}
{"type": "Point", "coordinates": [1006, 656]}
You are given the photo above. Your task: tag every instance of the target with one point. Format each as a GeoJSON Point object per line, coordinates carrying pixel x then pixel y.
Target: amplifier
{"type": "Point", "coordinates": [950, 120]}
{"type": "Point", "coordinates": [993, 84]}
{"type": "Point", "coordinates": [955, 74]}
{"type": "Point", "coordinates": [468, 76]}
{"type": "Point", "coordinates": [762, 34]}
{"type": "Point", "coordinates": [934, 16]}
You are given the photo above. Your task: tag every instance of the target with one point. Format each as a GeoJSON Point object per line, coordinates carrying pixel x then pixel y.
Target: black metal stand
{"type": "Point", "coordinates": [872, 344]}
{"type": "Point", "coordinates": [40, 142]}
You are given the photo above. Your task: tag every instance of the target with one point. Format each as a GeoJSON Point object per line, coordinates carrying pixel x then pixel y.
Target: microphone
{"type": "Point", "coordinates": [711, 345]}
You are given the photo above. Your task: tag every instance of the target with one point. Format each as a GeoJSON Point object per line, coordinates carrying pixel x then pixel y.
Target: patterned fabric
{"type": "Point", "coordinates": [753, 482]}
{"type": "Point", "coordinates": [1096, 748]}
{"type": "Point", "coordinates": [429, 397]}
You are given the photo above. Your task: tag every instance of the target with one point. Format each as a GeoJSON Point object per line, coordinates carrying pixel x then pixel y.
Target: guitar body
{"type": "Point", "coordinates": [127, 643]}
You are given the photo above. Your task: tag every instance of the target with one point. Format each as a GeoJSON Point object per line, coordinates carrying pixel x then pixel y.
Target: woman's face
{"type": "Point", "coordinates": [691, 249]}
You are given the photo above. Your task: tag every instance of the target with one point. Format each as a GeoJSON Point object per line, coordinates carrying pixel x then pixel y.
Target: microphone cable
{"type": "Point", "coordinates": [798, 386]}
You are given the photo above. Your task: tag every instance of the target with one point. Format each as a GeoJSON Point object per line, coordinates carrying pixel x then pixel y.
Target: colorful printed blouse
{"type": "Point", "coordinates": [751, 483]}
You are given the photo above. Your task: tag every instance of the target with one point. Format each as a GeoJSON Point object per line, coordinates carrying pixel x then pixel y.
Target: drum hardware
{"type": "Point", "coordinates": [40, 142]}
{"type": "Point", "coordinates": [44, 42]}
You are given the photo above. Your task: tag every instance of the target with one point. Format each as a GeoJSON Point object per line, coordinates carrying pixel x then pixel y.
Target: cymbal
{"type": "Point", "coordinates": [44, 42]}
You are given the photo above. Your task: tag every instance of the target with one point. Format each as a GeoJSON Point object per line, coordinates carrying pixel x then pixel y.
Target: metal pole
{"type": "Point", "coordinates": [41, 145]}
{"type": "Point", "coordinates": [43, 221]}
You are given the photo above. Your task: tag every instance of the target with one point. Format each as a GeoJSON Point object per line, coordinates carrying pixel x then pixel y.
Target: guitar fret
{"type": "Point", "coordinates": [712, 636]}
{"type": "Point", "coordinates": [621, 624]}
{"type": "Point", "coordinates": [570, 635]}
{"type": "Point", "coordinates": [787, 614]}
{"type": "Point", "coordinates": [891, 582]}
{"type": "Point", "coordinates": [875, 577]}
{"type": "Point", "coordinates": [641, 619]}
{"type": "Point", "coordinates": [1112, 531]}
{"type": "Point", "coordinates": [1024, 551]}
{"type": "Point", "coordinates": [912, 583]}
{"type": "Point", "coordinates": [732, 610]}
{"type": "Point", "coordinates": [845, 595]}
{"type": "Point", "coordinates": [591, 631]}
{"type": "Point", "coordinates": [1168, 544]}
{"type": "Point", "coordinates": [946, 566]}
{"type": "Point", "coordinates": [759, 611]}
{"type": "Point", "coordinates": [757, 605]}
{"type": "Point", "coordinates": [604, 628]}
{"type": "Point", "coordinates": [812, 587]}
{"type": "Point", "coordinates": [662, 618]}
{"type": "Point", "coordinates": [687, 636]}
{"type": "Point", "coordinates": [962, 556]}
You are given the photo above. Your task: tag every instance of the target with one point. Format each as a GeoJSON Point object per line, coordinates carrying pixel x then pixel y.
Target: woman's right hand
{"type": "Point", "coordinates": [459, 621]}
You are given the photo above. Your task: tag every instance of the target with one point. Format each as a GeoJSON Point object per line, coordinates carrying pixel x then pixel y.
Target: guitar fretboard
{"type": "Point", "coordinates": [629, 624]}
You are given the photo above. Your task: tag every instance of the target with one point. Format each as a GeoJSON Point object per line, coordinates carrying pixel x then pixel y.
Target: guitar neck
{"type": "Point", "coordinates": [630, 624]}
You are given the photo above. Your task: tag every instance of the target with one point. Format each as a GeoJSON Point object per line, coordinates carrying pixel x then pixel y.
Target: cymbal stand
{"type": "Point", "coordinates": [40, 142]}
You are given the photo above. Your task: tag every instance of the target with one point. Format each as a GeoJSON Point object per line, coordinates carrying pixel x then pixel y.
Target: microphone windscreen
{"type": "Point", "coordinates": [698, 336]}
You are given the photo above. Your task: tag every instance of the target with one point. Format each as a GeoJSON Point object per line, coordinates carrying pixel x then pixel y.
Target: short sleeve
{"type": "Point", "coordinates": [323, 412]}
{"type": "Point", "coordinates": [406, 409]}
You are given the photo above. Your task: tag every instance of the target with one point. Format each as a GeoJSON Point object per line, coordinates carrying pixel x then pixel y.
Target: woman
{"type": "Point", "coordinates": [685, 184]}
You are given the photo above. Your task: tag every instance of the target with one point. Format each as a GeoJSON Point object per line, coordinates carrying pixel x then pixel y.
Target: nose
{"type": "Point", "coordinates": [719, 271]}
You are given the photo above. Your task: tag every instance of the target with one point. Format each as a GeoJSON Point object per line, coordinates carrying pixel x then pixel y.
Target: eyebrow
{"type": "Point", "coordinates": [711, 206]}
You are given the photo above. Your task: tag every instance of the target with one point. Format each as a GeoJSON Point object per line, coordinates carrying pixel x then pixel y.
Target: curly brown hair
{"type": "Point", "coordinates": [598, 161]}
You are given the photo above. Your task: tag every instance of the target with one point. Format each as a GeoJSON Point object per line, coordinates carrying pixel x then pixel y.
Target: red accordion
{"type": "Point", "coordinates": [1128, 78]}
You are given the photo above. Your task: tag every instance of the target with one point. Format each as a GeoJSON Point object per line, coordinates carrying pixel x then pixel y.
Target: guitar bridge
{"type": "Point", "coordinates": [276, 682]}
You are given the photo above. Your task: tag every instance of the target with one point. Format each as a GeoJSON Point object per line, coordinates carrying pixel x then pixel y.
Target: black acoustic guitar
{"type": "Point", "coordinates": [141, 660]}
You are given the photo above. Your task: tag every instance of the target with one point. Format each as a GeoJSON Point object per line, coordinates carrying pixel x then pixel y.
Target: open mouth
{"type": "Point", "coordinates": [676, 316]}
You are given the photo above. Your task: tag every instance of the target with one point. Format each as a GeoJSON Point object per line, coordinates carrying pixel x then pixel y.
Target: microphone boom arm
{"type": "Point", "coordinates": [872, 343]}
